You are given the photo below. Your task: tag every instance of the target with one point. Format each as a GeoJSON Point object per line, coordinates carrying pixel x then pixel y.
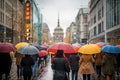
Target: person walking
{"type": "Point", "coordinates": [18, 61]}
{"type": "Point", "coordinates": [60, 66]}
{"type": "Point", "coordinates": [5, 65]}
{"type": "Point", "coordinates": [74, 65]}
{"type": "Point", "coordinates": [27, 63]}
{"type": "Point", "coordinates": [98, 63]}
{"type": "Point", "coordinates": [108, 66]}
{"type": "Point", "coordinates": [118, 64]}
{"type": "Point", "coordinates": [86, 66]}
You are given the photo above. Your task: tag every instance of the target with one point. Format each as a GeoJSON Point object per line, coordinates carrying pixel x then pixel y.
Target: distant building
{"type": "Point", "coordinates": [82, 25]}
{"type": "Point", "coordinates": [58, 33]}
{"type": "Point", "coordinates": [46, 36]}
{"type": "Point", "coordinates": [71, 36]}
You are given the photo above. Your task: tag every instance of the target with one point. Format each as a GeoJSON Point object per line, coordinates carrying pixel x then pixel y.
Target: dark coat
{"type": "Point", "coordinates": [118, 60]}
{"type": "Point", "coordinates": [5, 63]}
{"type": "Point", "coordinates": [74, 62]}
{"type": "Point", "coordinates": [27, 63]}
{"type": "Point", "coordinates": [60, 67]}
{"type": "Point", "coordinates": [108, 64]}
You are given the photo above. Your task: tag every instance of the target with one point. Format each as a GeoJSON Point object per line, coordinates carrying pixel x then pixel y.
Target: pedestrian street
{"type": "Point", "coordinates": [47, 73]}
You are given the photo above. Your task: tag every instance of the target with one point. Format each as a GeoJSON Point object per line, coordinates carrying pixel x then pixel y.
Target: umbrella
{"type": "Point", "coordinates": [101, 44]}
{"type": "Point", "coordinates": [76, 48]}
{"type": "Point", "coordinates": [43, 53]}
{"type": "Point", "coordinates": [6, 47]}
{"type": "Point", "coordinates": [77, 44]}
{"type": "Point", "coordinates": [31, 50]}
{"type": "Point", "coordinates": [89, 49]}
{"type": "Point", "coordinates": [38, 46]}
{"type": "Point", "coordinates": [21, 44]}
{"type": "Point", "coordinates": [66, 47]}
{"type": "Point", "coordinates": [111, 49]}
{"type": "Point", "coordinates": [118, 46]}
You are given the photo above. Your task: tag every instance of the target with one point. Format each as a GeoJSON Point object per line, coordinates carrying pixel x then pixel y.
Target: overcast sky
{"type": "Point", "coordinates": [67, 9]}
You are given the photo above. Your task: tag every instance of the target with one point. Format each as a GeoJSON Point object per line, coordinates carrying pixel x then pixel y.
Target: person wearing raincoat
{"type": "Point", "coordinates": [86, 66]}
{"type": "Point", "coordinates": [27, 64]}
{"type": "Point", "coordinates": [60, 66]}
{"type": "Point", "coordinates": [108, 66]}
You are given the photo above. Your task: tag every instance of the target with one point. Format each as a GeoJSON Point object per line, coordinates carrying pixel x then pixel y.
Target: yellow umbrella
{"type": "Point", "coordinates": [52, 53]}
{"type": "Point", "coordinates": [21, 44]}
{"type": "Point", "coordinates": [89, 49]}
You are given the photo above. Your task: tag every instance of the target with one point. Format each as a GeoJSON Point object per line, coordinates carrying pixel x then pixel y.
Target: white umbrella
{"type": "Point", "coordinates": [31, 50]}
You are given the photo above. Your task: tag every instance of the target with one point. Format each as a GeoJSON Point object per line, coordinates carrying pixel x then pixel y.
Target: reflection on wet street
{"type": "Point", "coordinates": [47, 73]}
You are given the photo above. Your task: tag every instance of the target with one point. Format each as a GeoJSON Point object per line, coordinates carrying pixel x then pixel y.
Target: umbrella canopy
{"type": "Point", "coordinates": [66, 47]}
{"type": "Point", "coordinates": [39, 47]}
{"type": "Point", "coordinates": [6, 47]}
{"type": "Point", "coordinates": [77, 44]}
{"type": "Point", "coordinates": [89, 49]}
{"type": "Point", "coordinates": [76, 48]}
{"type": "Point", "coordinates": [21, 44]}
{"type": "Point", "coordinates": [43, 53]}
{"type": "Point", "coordinates": [118, 46]}
{"type": "Point", "coordinates": [31, 50]}
{"type": "Point", "coordinates": [111, 49]}
{"type": "Point", "coordinates": [101, 44]}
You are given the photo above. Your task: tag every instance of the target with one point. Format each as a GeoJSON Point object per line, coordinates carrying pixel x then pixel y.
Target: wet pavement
{"type": "Point", "coordinates": [47, 73]}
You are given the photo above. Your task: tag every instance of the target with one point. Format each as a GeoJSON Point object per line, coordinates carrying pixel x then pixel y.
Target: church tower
{"type": "Point", "coordinates": [58, 33]}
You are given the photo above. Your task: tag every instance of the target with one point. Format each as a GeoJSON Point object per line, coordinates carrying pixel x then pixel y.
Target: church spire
{"type": "Point", "coordinates": [58, 20]}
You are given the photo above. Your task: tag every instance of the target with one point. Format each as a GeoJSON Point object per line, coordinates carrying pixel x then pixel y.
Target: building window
{"type": "Point", "coordinates": [0, 17]}
{"type": "Point", "coordinates": [85, 18]}
{"type": "Point", "coordinates": [2, 4]}
{"type": "Point", "coordinates": [102, 11]}
{"type": "Point", "coordinates": [99, 14]}
{"type": "Point", "coordinates": [102, 26]}
{"type": "Point", "coordinates": [94, 19]}
{"type": "Point", "coordinates": [112, 13]}
{"type": "Point", "coordinates": [95, 31]}
{"type": "Point", "coordinates": [99, 28]}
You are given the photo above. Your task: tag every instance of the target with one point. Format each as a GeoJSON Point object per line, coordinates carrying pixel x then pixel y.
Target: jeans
{"type": "Point", "coordinates": [35, 69]}
{"type": "Point", "coordinates": [98, 70]}
{"type": "Point", "coordinates": [19, 71]}
{"type": "Point", "coordinates": [74, 74]}
{"type": "Point", "coordinates": [86, 76]}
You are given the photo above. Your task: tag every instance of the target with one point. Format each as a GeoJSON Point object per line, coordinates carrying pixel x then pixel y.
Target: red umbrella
{"type": "Point", "coordinates": [43, 53]}
{"type": "Point", "coordinates": [6, 47]}
{"type": "Point", "coordinates": [118, 46]}
{"type": "Point", "coordinates": [76, 47]}
{"type": "Point", "coordinates": [66, 47]}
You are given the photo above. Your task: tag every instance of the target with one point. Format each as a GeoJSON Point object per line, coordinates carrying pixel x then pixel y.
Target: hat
{"type": "Point", "coordinates": [59, 51]}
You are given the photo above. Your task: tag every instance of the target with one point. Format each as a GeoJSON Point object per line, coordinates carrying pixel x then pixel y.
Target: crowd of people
{"type": "Point", "coordinates": [27, 65]}
{"type": "Point", "coordinates": [103, 64]}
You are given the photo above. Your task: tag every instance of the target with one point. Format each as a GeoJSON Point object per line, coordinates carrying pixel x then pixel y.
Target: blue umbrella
{"type": "Point", "coordinates": [102, 43]}
{"type": "Point", "coordinates": [77, 44]}
{"type": "Point", "coordinates": [111, 49]}
{"type": "Point", "coordinates": [31, 50]}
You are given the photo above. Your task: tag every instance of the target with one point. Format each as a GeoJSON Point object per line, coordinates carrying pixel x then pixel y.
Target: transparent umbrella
{"type": "Point", "coordinates": [31, 50]}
